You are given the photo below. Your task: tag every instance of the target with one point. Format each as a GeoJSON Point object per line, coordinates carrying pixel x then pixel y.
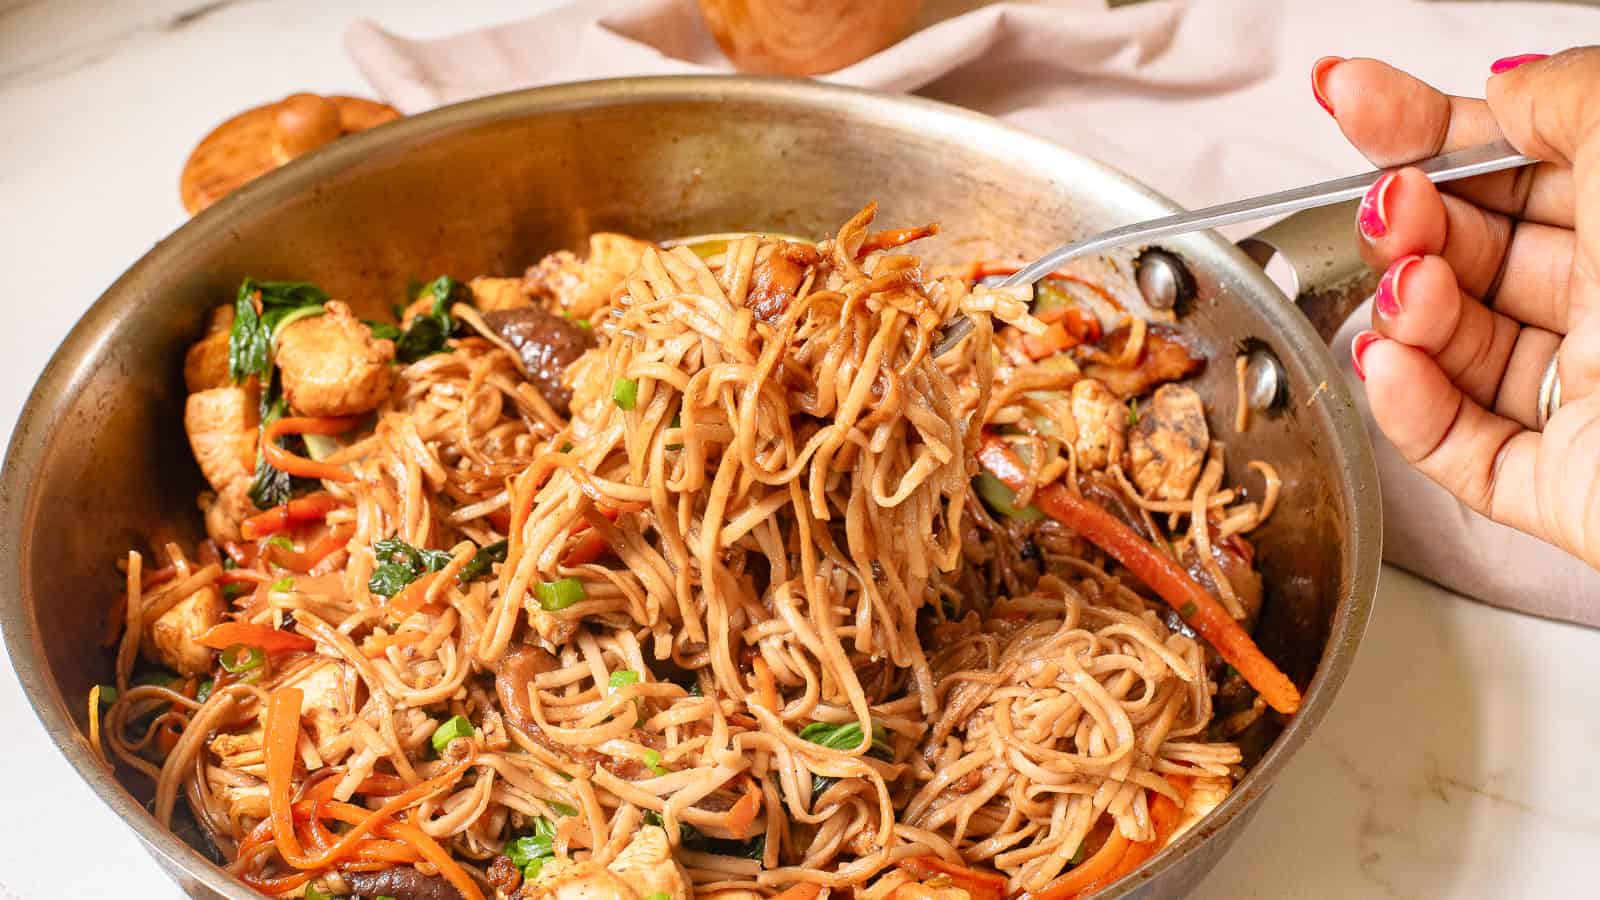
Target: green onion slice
{"type": "Point", "coordinates": [559, 594]}
{"type": "Point", "coordinates": [454, 727]}
{"type": "Point", "coordinates": [242, 658]}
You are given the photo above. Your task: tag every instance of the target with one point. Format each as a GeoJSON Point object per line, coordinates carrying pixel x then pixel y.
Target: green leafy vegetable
{"type": "Point", "coordinates": [658, 895]}
{"type": "Point", "coordinates": [399, 564]}
{"type": "Point", "coordinates": [250, 338]}
{"type": "Point", "coordinates": [454, 727]}
{"type": "Point", "coordinates": [623, 679]}
{"type": "Point", "coordinates": [529, 853]}
{"type": "Point", "coordinates": [559, 594]}
{"type": "Point", "coordinates": [1002, 499]}
{"type": "Point", "coordinates": [1078, 855]}
{"type": "Point", "coordinates": [271, 486]}
{"type": "Point", "coordinates": [203, 693]}
{"type": "Point", "coordinates": [383, 331]}
{"type": "Point", "coordinates": [561, 809]}
{"type": "Point", "coordinates": [282, 584]}
{"type": "Point", "coordinates": [847, 736]}
{"type": "Point", "coordinates": [482, 562]}
{"type": "Point", "coordinates": [315, 893]}
{"type": "Point", "coordinates": [625, 393]}
{"type": "Point", "coordinates": [428, 332]}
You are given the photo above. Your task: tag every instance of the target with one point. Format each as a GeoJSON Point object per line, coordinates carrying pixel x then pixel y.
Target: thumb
{"type": "Point", "coordinates": [1549, 109]}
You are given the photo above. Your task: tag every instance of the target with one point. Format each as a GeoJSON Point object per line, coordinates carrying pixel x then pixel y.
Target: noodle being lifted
{"type": "Point", "coordinates": [672, 572]}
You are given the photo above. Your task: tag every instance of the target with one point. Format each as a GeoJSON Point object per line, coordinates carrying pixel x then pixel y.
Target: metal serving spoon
{"type": "Point", "coordinates": [1464, 163]}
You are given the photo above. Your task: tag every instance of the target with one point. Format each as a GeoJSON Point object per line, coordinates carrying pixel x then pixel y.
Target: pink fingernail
{"type": "Point", "coordinates": [1359, 346]}
{"type": "Point", "coordinates": [1319, 71]}
{"type": "Point", "coordinates": [1506, 64]}
{"type": "Point", "coordinates": [1373, 216]}
{"type": "Point", "coordinates": [1387, 297]}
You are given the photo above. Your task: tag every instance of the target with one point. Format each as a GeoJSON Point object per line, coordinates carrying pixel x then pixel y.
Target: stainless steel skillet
{"type": "Point", "coordinates": [488, 186]}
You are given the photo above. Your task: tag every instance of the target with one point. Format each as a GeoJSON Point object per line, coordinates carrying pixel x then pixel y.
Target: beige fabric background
{"type": "Point", "coordinates": [1205, 100]}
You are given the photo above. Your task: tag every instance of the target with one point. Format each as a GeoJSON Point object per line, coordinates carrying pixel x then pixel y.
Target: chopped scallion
{"type": "Point", "coordinates": [625, 393]}
{"type": "Point", "coordinates": [623, 679]}
{"type": "Point", "coordinates": [455, 727]}
{"type": "Point", "coordinates": [559, 594]}
{"type": "Point", "coordinates": [653, 760]}
{"type": "Point", "coordinates": [283, 584]}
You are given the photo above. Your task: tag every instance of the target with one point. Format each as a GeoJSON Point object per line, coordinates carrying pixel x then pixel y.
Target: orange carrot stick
{"type": "Point", "coordinates": [270, 640]}
{"type": "Point", "coordinates": [300, 511]}
{"type": "Point", "coordinates": [285, 461]}
{"type": "Point", "coordinates": [979, 884]}
{"type": "Point", "coordinates": [1193, 602]}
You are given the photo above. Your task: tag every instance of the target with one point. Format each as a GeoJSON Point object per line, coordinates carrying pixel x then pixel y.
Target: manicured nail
{"type": "Point", "coordinates": [1373, 215]}
{"type": "Point", "coordinates": [1508, 63]}
{"type": "Point", "coordinates": [1358, 346]}
{"type": "Point", "coordinates": [1387, 297]}
{"type": "Point", "coordinates": [1319, 71]}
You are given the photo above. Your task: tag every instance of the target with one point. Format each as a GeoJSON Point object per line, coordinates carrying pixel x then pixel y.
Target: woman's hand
{"type": "Point", "coordinates": [1484, 283]}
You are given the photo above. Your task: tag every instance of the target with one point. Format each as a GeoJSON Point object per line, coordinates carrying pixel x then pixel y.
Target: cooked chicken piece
{"type": "Point", "coordinates": [222, 424]}
{"type": "Point", "coordinates": [246, 800]}
{"type": "Point", "coordinates": [643, 868]}
{"type": "Point", "coordinates": [329, 699]}
{"type": "Point", "coordinates": [206, 365]}
{"type": "Point", "coordinates": [1102, 421]}
{"type": "Point", "coordinates": [582, 287]}
{"type": "Point", "coordinates": [1167, 446]}
{"type": "Point", "coordinates": [490, 294]}
{"type": "Point", "coordinates": [1205, 794]}
{"type": "Point", "coordinates": [173, 639]}
{"type": "Point", "coordinates": [242, 751]}
{"type": "Point", "coordinates": [332, 366]}
{"type": "Point", "coordinates": [1164, 357]}
{"type": "Point", "coordinates": [224, 512]}
{"type": "Point", "coordinates": [929, 890]}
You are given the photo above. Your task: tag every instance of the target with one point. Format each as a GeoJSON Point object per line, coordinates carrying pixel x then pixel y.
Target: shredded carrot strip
{"type": "Point", "coordinates": [1164, 815]}
{"type": "Point", "coordinates": [979, 884]}
{"type": "Point", "coordinates": [270, 640]}
{"type": "Point", "coordinates": [410, 600]}
{"type": "Point", "coordinates": [766, 685]}
{"type": "Point", "coordinates": [1193, 602]}
{"type": "Point", "coordinates": [1091, 870]}
{"type": "Point", "coordinates": [805, 890]}
{"type": "Point", "coordinates": [300, 511]}
{"type": "Point", "coordinates": [743, 813]}
{"type": "Point", "coordinates": [280, 735]}
{"type": "Point", "coordinates": [304, 560]}
{"type": "Point", "coordinates": [895, 237]}
{"type": "Point", "coordinates": [285, 461]}
{"type": "Point", "coordinates": [1054, 339]}
{"type": "Point", "coordinates": [418, 839]}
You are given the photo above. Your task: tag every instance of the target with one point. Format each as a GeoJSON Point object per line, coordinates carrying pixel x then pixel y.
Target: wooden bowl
{"type": "Point", "coordinates": [805, 37]}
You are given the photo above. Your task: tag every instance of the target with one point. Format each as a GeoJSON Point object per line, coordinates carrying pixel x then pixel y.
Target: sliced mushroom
{"type": "Point", "coordinates": [1167, 446]}
{"type": "Point", "coordinates": [547, 343]}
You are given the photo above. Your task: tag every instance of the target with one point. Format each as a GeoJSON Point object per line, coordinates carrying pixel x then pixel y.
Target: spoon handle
{"type": "Point", "coordinates": [1464, 163]}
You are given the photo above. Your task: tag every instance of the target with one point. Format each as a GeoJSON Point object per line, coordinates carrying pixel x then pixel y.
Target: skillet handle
{"type": "Point", "coordinates": [1328, 278]}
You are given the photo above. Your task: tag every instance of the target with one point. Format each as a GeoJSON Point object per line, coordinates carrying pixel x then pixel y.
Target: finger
{"type": "Point", "coordinates": [1394, 119]}
{"type": "Point", "coordinates": [1524, 268]}
{"type": "Point", "coordinates": [1549, 110]}
{"type": "Point", "coordinates": [1518, 397]}
{"type": "Point", "coordinates": [1419, 304]}
{"type": "Point", "coordinates": [1570, 463]}
{"type": "Point", "coordinates": [1485, 460]}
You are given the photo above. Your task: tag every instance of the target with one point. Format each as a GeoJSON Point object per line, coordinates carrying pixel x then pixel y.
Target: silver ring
{"type": "Point", "coordinates": [1549, 392]}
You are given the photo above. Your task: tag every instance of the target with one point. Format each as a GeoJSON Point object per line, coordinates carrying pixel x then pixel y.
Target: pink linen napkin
{"type": "Point", "coordinates": [1205, 100]}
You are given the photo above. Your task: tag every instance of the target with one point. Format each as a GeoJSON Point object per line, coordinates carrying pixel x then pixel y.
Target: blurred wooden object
{"type": "Point", "coordinates": [259, 140]}
{"type": "Point", "coordinates": [805, 37]}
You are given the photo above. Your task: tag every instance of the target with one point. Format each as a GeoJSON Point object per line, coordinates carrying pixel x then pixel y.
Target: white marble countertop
{"type": "Point", "coordinates": [1453, 765]}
